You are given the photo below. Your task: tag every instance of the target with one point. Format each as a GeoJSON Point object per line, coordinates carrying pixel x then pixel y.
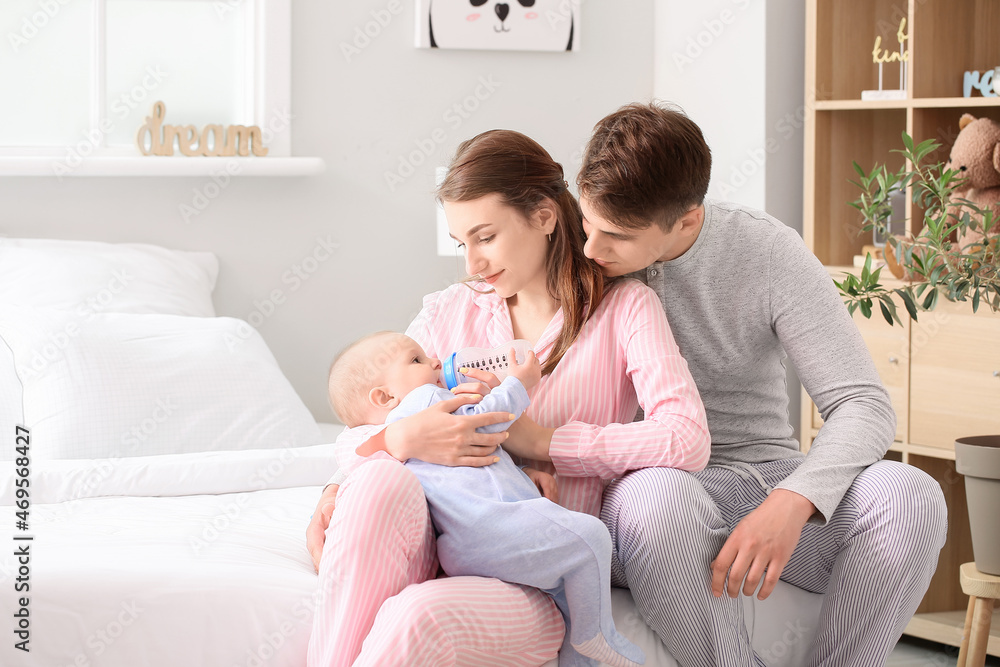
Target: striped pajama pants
{"type": "Point", "coordinates": [379, 605]}
{"type": "Point", "coordinates": [873, 559]}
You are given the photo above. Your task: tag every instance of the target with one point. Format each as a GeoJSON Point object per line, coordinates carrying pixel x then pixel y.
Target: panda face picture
{"type": "Point", "coordinates": [526, 25]}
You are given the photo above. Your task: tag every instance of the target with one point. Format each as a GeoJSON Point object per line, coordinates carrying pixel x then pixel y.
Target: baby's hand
{"type": "Point", "coordinates": [483, 378]}
{"type": "Point", "coordinates": [529, 373]}
{"type": "Point", "coordinates": [545, 482]}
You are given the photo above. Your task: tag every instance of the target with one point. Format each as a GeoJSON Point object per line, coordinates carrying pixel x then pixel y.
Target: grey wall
{"type": "Point", "coordinates": [362, 116]}
{"type": "Point", "coordinates": [784, 111]}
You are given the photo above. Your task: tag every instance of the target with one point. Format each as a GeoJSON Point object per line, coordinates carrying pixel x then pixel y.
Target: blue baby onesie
{"type": "Point", "coordinates": [493, 522]}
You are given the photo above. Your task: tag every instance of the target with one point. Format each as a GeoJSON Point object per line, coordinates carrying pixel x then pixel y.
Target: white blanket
{"type": "Point", "coordinates": [200, 560]}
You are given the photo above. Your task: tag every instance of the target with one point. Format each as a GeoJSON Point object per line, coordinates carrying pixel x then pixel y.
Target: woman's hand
{"type": "Point", "coordinates": [545, 482]}
{"type": "Point", "coordinates": [320, 521]}
{"type": "Point", "coordinates": [529, 440]}
{"type": "Point", "coordinates": [435, 435]}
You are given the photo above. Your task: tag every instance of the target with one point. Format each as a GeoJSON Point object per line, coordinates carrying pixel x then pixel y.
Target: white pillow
{"type": "Point", "coordinates": [116, 385]}
{"type": "Point", "coordinates": [88, 277]}
{"type": "Point", "coordinates": [93, 277]}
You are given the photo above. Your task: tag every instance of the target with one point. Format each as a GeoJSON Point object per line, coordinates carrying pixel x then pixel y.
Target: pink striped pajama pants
{"type": "Point", "coordinates": [379, 605]}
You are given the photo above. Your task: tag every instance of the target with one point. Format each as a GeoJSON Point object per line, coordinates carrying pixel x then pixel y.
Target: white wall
{"type": "Point", "coordinates": [736, 67]}
{"type": "Point", "coordinates": [710, 59]}
{"type": "Point", "coordinates": [362, 115]}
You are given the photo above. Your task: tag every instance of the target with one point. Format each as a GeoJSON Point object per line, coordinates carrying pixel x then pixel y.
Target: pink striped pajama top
{"type": "Point", "coordinates": [624, 358]}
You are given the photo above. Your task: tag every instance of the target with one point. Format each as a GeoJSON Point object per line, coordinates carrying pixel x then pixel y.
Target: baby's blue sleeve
{"type": "Point", "coordinates": [420, 398]}
{"type": "Point", "coordinates": [510, 396]}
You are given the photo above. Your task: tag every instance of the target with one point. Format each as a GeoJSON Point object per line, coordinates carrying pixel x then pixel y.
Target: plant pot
{"type": "Point", "coordinates": [978, 458]}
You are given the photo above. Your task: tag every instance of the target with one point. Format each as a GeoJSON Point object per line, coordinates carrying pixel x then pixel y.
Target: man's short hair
{"type": "Point", "coordinates": [645, 164]}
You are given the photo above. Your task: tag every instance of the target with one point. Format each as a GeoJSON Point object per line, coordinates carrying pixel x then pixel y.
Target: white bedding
{"type": "Point", "coordinates": [193, 580]}
{"type": "Point", "coordinates": [217, 576]}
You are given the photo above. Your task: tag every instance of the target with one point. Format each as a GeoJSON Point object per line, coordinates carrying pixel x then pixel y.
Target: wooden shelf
{"type": "Point", "coordinates": [954, 102]}
{"type": "Point", "coordinates": [944, 453]}
{"type": "Point", "coordinates": [945, 627]}
{"type": "Point", "coordinates": [851, 105]}
{"type": "Point", "coordinates": [921, 103]}
{"type": "Point", "coordinates": [908, 448]}
{"type": "Point", "coordinates": [935, 370]}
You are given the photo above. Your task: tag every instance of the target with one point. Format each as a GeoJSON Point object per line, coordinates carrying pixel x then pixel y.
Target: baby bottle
{"type": "Point", "coordinates": [492, 361]}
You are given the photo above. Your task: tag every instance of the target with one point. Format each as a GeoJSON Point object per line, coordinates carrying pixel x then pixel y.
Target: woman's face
{"type": "Point", "coordinates": [502, 246]}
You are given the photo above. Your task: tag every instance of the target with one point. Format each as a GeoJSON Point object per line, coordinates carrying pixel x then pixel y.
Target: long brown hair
{"type": "Point", "coordinates": [515, 167]}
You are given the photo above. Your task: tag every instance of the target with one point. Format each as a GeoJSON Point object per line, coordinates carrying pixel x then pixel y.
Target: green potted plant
{"type": "Point", "coordinates": [937, 266]}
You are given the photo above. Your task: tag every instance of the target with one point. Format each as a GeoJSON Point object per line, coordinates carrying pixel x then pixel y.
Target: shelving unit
{"type": "Point", "coordinates": [939, 371]}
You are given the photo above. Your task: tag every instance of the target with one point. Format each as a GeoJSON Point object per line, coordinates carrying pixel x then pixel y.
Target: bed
{"type": "Point", "coordinates": [171, 471]}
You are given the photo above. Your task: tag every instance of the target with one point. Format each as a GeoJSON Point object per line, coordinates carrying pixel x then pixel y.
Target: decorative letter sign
{"type": "Point", "coordinates": [881, 56]}
{"type": "Point", "coordinates": [213, 140]}
{"type": "Point", "coordinates": [987, 84]}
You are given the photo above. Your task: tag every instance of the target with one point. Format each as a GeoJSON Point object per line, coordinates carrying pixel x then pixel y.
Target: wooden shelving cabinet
{"type": "Point", "coordinates": [943, 373]}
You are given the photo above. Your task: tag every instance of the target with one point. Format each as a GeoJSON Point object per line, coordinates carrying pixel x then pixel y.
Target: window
{"type": "Point", "coordinates": [79, 77]}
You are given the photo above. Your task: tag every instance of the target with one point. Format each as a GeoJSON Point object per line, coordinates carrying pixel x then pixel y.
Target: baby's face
{"type": "Point", "coordinates": [410, 367]}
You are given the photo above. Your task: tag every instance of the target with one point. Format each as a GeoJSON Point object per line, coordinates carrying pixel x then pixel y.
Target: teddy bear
{"type": "Point", "coordinates": [976, 157]}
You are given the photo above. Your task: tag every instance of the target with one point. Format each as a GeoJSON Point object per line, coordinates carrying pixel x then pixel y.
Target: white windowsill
{"type": "Point", "coordinates": [162, 166]}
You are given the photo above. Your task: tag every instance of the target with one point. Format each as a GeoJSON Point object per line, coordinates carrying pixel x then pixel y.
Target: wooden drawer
{"type": "Point", "coordinates": [889, 348]}
{"type": "Point", "coordinates": [955, 375]}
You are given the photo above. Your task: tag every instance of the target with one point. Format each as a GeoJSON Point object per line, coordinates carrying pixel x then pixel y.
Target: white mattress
{"type": "Point", "coordinates": [195, 581]}
{"type": "Point", "coordinates": [218, 578]}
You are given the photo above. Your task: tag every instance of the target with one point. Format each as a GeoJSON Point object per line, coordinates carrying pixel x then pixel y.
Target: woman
{"type": "Point", "coordinates": [606, 350]}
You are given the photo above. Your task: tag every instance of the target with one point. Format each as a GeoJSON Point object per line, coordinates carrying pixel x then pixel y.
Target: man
{"type": "Point", "coordinates": [741, 291]}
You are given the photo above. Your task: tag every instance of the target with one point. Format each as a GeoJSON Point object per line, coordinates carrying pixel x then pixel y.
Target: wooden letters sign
{"type": "Point", "coordinates": [880, 55]}
{"type": "Point", "coordinates": [213, 140]}
{"type": "Point", "coordinates": [987, 84]}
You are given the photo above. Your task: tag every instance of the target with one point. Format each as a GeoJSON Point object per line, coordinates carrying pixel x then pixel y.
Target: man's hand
{"type": "Point", "coordinates": [320, 521]}
{"type": "Point", "coordinates": [545, 482]}
{"type": "Point", "coordinates": [435, 435]}
{"type": "Point", "coordinates": [763, 540]}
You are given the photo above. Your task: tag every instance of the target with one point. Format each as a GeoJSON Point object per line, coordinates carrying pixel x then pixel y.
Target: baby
{"type": "Point", "coordinates": [492, 521]}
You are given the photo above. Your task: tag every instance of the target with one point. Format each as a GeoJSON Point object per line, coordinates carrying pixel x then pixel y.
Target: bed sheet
{"type": "Point", "coordinates": [187, 560]}
{"type": "Point", "coordinates": [210, 580]}
{"type": "Point", "coordinates": [225, 580]}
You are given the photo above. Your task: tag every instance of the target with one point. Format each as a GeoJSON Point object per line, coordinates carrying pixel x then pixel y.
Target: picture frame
{"type": "Point", "coordinates": [500, 25]}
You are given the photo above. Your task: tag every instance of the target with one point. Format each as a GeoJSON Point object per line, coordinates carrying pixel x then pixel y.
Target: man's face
{"type": "Point", "coordinates": [619, 251]}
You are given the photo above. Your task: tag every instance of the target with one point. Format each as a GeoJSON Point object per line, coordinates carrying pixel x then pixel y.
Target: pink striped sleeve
{"type": "Point", "coordinates": [674, 432]}
{"type": "Point", "coordinates": [344, 448]}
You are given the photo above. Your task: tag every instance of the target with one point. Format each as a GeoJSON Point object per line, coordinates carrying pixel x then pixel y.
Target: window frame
{"type": "Point", "coordinates": [266, 100]}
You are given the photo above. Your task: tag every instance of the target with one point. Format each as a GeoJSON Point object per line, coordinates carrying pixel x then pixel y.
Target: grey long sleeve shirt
{"type": "Point", "coordinates": [747, 294]}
